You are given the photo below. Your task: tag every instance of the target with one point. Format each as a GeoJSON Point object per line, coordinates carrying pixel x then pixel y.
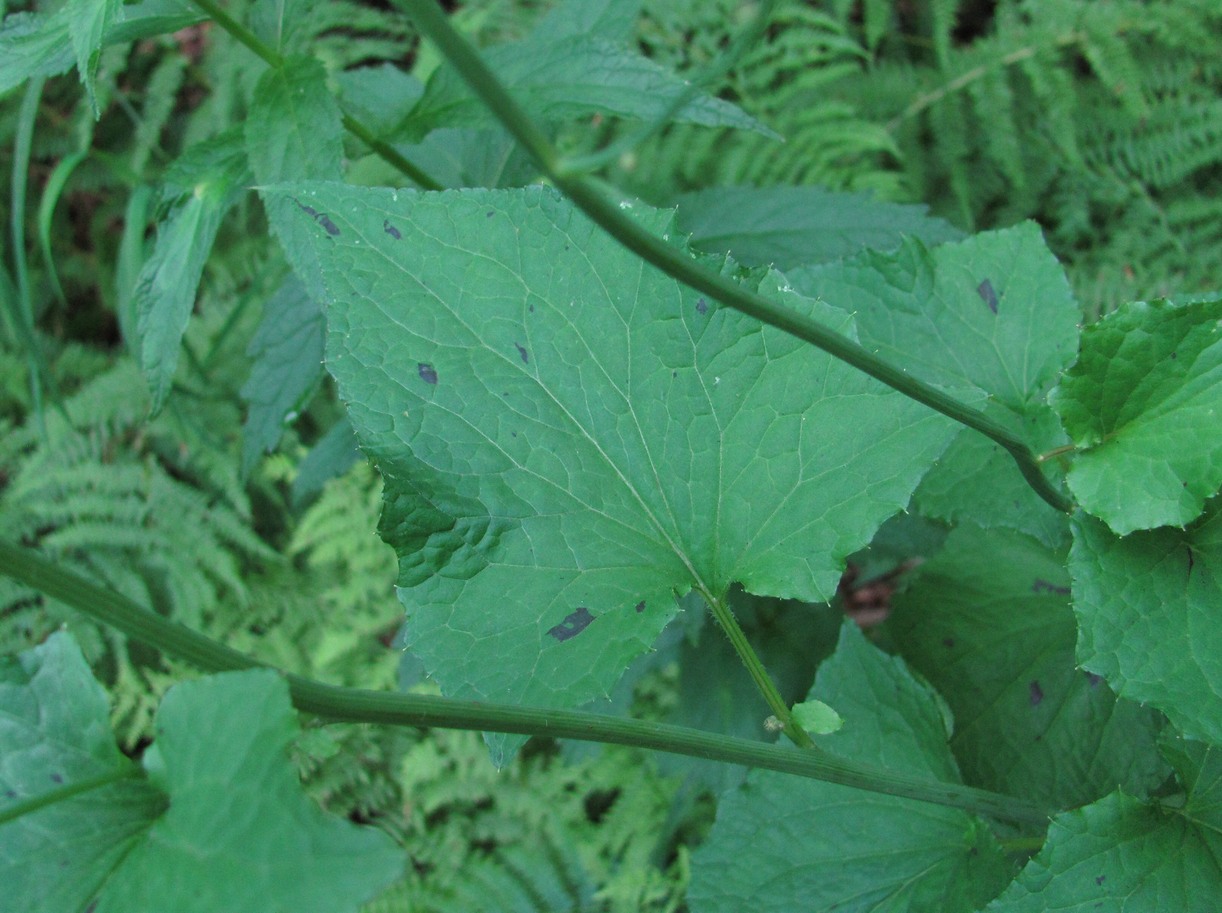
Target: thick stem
{"type": "Point", "coordinates": [355, 705]}
{"type": "Point", "coordinates": [432, 21]}
{"type": "Point", "coordinates": [274, 59]}
{"type": "Point", "coordinates": [755, 668]}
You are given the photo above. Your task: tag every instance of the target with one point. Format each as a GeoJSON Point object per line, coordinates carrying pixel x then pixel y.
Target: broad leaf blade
{"type": "Point", "coordinates": [569, 78]}
{"type": "Point", "coordinates": [200, 188]}
{"type": "Point", "coordinates": [988, 623]}
{"type": "Point", "coordinates": [1144, 406]}
{"type": "Point", "coordinates": [779, 843]}
{"type": "Point", "coordinates": [1147, 609]}
{"type": "Point", "coordinates": [994, 312]}
{"type": "Point", "coordinates": [240, 834]}
{"type": "Point", "coordinates": [1117, 856]}
{"type": "Point", "coordinates": [569, 438]}
{"type": "Point", "coordinates": [287, 351]}
{"type": "Point", "coordinates": [54, 732]}
{"type": "Point", "coordinates": [786, 227]}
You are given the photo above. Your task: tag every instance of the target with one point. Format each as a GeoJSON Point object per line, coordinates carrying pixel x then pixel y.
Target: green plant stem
{"type": "Point", "coordinates": [62, 793]}
{"type": "Point", "coordinates": [755, 668]}
{"type": "Point", "coordinates": [588, 196]}
{"type": "Point", "coordinates": [275, 60]}
{"type": "Point", "coordinates": [356, 705]}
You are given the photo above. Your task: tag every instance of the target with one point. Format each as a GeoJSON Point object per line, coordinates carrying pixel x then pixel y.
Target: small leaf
{"type": "Point", "coordinates": [199, 188]}
{"type": "Point", "coordinates": [88, 22]}
{"type": "Point", "coordinates": [1147, 609]}
{"type": "Point", "coordinates": [1144, 406]}
{"type": "Point", "coordinates": [287, 352]}
{"type": "Point", "coordinates": [779, 843]}
{"type": "Point", "coordinates": [1117, 856]}
{"type": "Point", "coordinates": [817, 717]}
{"type": "Point", "coordinates": [988, 622]}
{"type": "Point", "coordinates": [558, 80]}
{"type": "Point", "coordinates": [566, 434]}
{"type": "Point", "coordinates": [786, 227]}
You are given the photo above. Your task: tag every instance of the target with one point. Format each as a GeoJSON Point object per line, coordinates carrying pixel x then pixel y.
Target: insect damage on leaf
{"type": "Point", "coordinates": [573, 625]}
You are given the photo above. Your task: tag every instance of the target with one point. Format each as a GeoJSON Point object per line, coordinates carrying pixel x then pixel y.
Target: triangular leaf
{"type": "Point", "coordinates": [988, 622]}
{"type": "Point", "coordinates": [779, 843]}
{"type": "Point", "coordinates": [88, 22]}
{"type": "Point", "coordinates": [1144, 406]}
{"type": "Point", "coordinates": [569, 437]}
{"type": "Point", "coordinates": [1147, 608]}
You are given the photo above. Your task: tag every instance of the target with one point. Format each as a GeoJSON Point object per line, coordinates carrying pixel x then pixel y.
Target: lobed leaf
{"type": "Point", "coordinates": [1147, 606]}
{"type": "Point", "coordinates": [779, 843]}
{"type": "Point", "coordinates": [220, 823]}
{"type": "Point", "coordinates": [569, 438]}
{"type": "Point", "coordinates": [1143, 404]}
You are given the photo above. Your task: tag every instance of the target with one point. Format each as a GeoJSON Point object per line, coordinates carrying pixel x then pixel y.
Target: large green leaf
{"type": "Point", "coordinates": [569, 438]}
{"type": "Point", "coordinates": [783, 844]}
{"type": "Point", "coordinates": [1143, 404]}
{"type": "Point", "coordinates": [1120, 856]}
{"type": "Point", "coordinates": [1147, 609]}
{"type": "Point", "coordinates": [993, 313]}
{"type": "Point", "coordinates": [787, 227]}
{"type": "Point", "coordinates": [561, 79]}
{"type": "Point", "coordinates": [988, 622]}
{"type": "Point", "coordinates": [238, 833]}
{"type": "Point", "coordinates": [199, 190]}
{"type": "Point", "coordinates": [55, 733]}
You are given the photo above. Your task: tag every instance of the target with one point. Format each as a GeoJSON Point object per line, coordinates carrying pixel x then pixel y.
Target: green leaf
{"type": "Point", "coordinates": [238, 832]}
{"type": "Point", "coordinates": [1199, 768]}
{"type": "Point", "coordinates": [779, 843]}
{"type": "Point", "coordinates": [331, 456]}
{"type": "Point", "coordinates": [570, 438]}
{"type": "Point", "coordinates": [988, 623]}
{"type": "Point", "coordinates": [295, 131]}
{"type": "Point", "coordinates": [817, 717]}
{"type": "Point", "coordinates": [88, 22]}
{"type": "Point", "coordinates": [611, 19]}
{"type": "Point", "coordinates": [1147, 608]}
{"type": "Point", "coordinates": [1118, 856]}
{"type": "Point", "coordinates": [287, 351]}
{"type": "Point", "coordinates": [994, 312]}
{"type": "Point", "coordinates": [559, 80]}
{"type": "Point", "coordinates": [55, 733]}
{"type": "Point", "coordinates": [200, 188]}
{"type": "Point", "coordinates": [786, 227]}
{"type": "Point", "coordinates": [33, 45]}
{"type": "Point", "coordinates": [1143, 404]}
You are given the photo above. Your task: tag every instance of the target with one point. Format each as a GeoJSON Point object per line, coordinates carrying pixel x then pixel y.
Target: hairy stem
{"type": "Point", "coordinates": [275, 60]}
{"type": "Point", "coordinates": [431, 20]}
{"type": "Point", "coordinates": [356, 705]}
{"type": "Point", "coordinates": [755, 668]}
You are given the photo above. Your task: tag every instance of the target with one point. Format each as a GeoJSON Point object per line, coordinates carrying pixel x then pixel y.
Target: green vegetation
{"type": "Point", "coordinates": [633, 352]}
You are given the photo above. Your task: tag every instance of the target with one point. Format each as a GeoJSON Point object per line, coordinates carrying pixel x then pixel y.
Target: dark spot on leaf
{"type": "Point", "coordinates": [948, 643]}
{"type": "Point", "coordinates": [57, 778]}
{"type": "Point", "coordinates": [1173, 356]}
{"type": "Point", "coordinates": [702, 306]}
{"type": "Point", "coordinates": [308, 210]}
{"type": "Point", "coordinates": [391, 230]}
{"type": "Point", "coordinates": [674, 373]}
{"type": "Point", "coordinates": [513, 433]}
{"type": "Point", "coordinates": [1191, 560]}
{"type": "Point", "coordinates": [10, 794]}
{"type": "Point", "coordinates": [331, 227]}
{"type": "Point", "coordinates": [522, 352]}
{"type": "Point", "coordinates": [427, 373]}
{"type": "Point", "coordinates": [93, 905]}
{"type": "Point", "coordinates": [573, 625]}
{"type": "Point", "coordinates": [640, 606]}
{"type": "Point", "coordinates": [489, 214]}
{"type": "Point", "coordinates": [988, 294]}
{"type": "Point", "coordinates": [530, 308]}
{"type": "Point", "coordinates": [1037, 694]}
{"type": "Point", "coordinates": [1093, 679]}
{"type": "Point", "coordinates": [1044, 586]}
{"type": "Point", "coordinates": [1100, 879]}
